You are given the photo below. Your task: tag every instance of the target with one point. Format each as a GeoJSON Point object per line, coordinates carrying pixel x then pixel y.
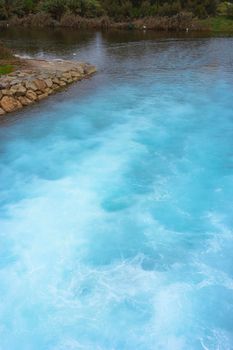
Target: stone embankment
{"type": "Point", "coordinates": [37, 79]}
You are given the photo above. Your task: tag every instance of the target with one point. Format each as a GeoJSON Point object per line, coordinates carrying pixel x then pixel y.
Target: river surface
{"type": "Point", "coordinates": [116, 198]}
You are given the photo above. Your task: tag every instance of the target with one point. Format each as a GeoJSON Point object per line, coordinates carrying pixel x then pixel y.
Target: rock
{"type": "Point", "coordinates": [56, 80]}
{"type": "Point", "coordinates": [80, 70]}
{"type": "Point", "coordinates": [2, 112]}
{"type": "Point", "coordinates": [7, 92]}
{"type": "Point", "coordinates": [14, 81]}
{"type": "Point", "coordinates": [31, 86]}
{"type": "Point", "coordinates": [75, 74]}
{"type": "Point", "coordinates": [40, 84]}
{"type": "Point", "coordinates": [64, 79]}
{"type": "Point", "coordinates": [62, 83]}
{"type": "Point", "coordinates": [67, 75]}
{"type": "Point", "coordinates": [55, 86]}
{"type": "Point", "coordinates": [25, 101]}
{"type": "Point", "coordinates": [49, 91]}
{"type": "Point", "coordinates": [18, 90]}
{"type": "Point", "coordinates": [31, 95]}
{"type": "Point", "coordinates": [10, 104]}
{"type": "Point", "coordinates": [21, 74]}
{"type": "Point", "coordinates": [4, 84]}
{"type": "Point", "coordinates": [49, 82]}
{"type": "Point", "coordinates": [89, 69]}
{"type": "Point", "coordinates": [24, 86]}
{"type": "Point", "coordinates": [42, 96]}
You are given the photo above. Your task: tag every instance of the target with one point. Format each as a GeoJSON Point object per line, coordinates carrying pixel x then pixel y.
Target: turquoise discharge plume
{"type": "Point", "coordinates": [116, 204]}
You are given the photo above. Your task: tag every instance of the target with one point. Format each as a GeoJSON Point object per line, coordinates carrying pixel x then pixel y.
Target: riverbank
{"type": "Point", "coordinates": [179, 23]}
{"type": "Point", "coordinates": [220, 24]}
{"type": "Point", "coordinates": [35, 80]}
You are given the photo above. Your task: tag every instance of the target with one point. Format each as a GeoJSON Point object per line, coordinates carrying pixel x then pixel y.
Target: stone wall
{"type": "Point", "coordinates": [37, 80]}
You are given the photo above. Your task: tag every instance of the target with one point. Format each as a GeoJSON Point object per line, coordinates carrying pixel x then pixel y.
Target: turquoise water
{"type": "Point", "coordinates": [116, 201]}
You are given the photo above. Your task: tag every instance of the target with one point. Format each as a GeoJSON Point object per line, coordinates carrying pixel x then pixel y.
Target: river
{"type": "Point", "coordinates": [116, 197]}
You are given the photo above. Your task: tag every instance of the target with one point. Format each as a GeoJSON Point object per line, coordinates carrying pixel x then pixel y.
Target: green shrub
{"type": "Point", "coordinates": [120, 10]}
{"type": "Point", "coordinates": [56, 8]}
{"type": "Point", "coordinates": [85, 8]}
{"type": "Point", "coordinates": [229, 11]}
{"type": "Point", "coordinates": [169, 9]}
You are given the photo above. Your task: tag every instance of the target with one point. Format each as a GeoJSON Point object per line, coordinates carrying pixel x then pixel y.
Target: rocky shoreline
{"type": "Point", "coordinates": [37, 79]}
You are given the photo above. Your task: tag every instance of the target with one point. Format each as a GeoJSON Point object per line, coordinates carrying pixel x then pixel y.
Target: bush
{"type": "Point", "coordinates": [229, 11]}
{"type": "Point", "coordinates": [145, 9]}
{"type": "Point", "coordinates": [169, 9]}
{"type": "Point", "coordinates": [120, 10]}
{"type": "Point", "coordinates": [9, 8]}
{"type": "Point", "coordinates": [85, 8]}
{"type": "Point", "coordinates": [56, 8]}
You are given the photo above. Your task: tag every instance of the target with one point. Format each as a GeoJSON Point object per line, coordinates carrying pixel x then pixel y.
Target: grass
{"type": "Point", "coordinates": [6, 69]}
{"type": "Point", "coordinates": [7, 60]}
{"type": "Point", "coordinates": [218, 24]}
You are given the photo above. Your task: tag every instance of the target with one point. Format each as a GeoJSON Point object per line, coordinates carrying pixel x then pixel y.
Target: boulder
{"type": "Point", "coordinates": [31, 86]}
{"type": "Point", "coordinates": [14, 81]}
{"type": "Point", "coordinates": [55, 86]}
{"type": "Point", "coordinates": [31, 95]}
{"type": "Point", "coordinates": [88, 69]}
{"type": "Point", "coordinates": [49, 91]}
{"type": "Point", "coordinates": [10, 104]}
{"type": "Point", "coordinates": [62, 83]}
{"type": "Point", "coordinates": [42, 96]}
{"type": "Point", "coordinates": [18, 90]}
{"type": "Point", "coordinates": [64, 79]}
{"type": "Point", "coordinates": [21, 74]}
{"type": "Point", "coordinates": [75, 74]}
{"type": "Point", "coordinates": [6, 92]}
{"type": "Point", "coordinates": [2, 112]}
{"type": "Point", "coordinates": [80, 70]}
{"type": "Point", "coordinates": [49, 82]}
{"type": "Point", "coordinates": [67, 75]}
{"type": "Point", "coordinates": [40, 84]}
{"type": "Point", "coordinates": [56, 80]}
{"type": "Point", "coordinates": [4, 84]}
{"type": "Point", "coordinates": [25, 101]}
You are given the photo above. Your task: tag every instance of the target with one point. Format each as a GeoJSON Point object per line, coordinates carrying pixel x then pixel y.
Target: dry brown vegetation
{"type": "Point", "coordinates": [5, 53]}
{"type": "Point", "coordinates": [177, 22]}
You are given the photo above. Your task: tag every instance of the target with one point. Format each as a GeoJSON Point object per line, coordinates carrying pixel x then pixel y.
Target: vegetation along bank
{"type": "Point", "coordinates": [214, 15]}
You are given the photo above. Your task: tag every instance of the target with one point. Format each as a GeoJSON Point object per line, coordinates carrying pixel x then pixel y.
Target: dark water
{"type": "Point", "coordinates": [116, 196]}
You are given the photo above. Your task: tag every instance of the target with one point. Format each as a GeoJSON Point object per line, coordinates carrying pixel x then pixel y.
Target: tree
{"type": "Point", "coordinates": [229, 11]}
{"type": "Point", "coordinates": [117, 9]}
{"type": "Point", "coordinates": [9, 8]}
{"type": "Point", "coordinates": [55, 7]}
